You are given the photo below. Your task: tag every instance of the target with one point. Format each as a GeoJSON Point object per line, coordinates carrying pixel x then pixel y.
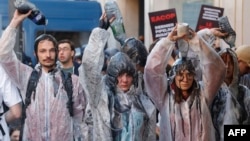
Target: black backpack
{"type": "Point", "coordinates": [32, 83]}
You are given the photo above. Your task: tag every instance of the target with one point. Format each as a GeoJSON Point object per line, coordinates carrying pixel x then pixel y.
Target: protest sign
{"type": "Point", "coordinates": [208, 17]}
{"type": "Point", "coordinates": [162, 22]}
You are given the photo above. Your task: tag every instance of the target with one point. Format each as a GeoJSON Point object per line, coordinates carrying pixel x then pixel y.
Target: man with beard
{"type": "Point", "coordinates": [50, 113]}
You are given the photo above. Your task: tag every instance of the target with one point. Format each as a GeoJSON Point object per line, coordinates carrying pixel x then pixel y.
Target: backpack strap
{"type": "Point", "coordinates": [31, 87]}
{"type": "Point", "coordinates": [1, 127]}
{"type": "Point", "coordinates": [32, 83]}
{"type": "Point", "coordinates": [67, 83]}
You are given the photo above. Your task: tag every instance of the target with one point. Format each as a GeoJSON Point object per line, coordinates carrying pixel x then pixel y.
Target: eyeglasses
{"type": "Point", "coordinates": [180, 76]}
{"type": "Point", "coordinates": [64, 49]}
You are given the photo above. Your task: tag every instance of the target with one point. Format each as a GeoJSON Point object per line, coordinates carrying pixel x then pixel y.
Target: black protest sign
{"type": "Point", "coordinates": [162, 22]}
{"type": "Point", "coordinates": [208, 17]}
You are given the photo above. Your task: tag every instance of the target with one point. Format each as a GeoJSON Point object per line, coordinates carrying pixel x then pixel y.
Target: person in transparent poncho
{"type": "Point", "coordinates": [137, 52]}
{"type": "Point", "coordinates": [118, 113]}
{"type": "Point", "coordinates": [232, 103]}
{"type": "Point", "coordinates": [47, 115]}
{"type": "Point", "coordinates": [182, 101]}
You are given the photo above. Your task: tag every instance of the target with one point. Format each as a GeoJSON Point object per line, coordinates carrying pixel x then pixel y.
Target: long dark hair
{"type": "Point", "coordinates": [180, 65]}
{"type": "Point", "coordinates": [178, 92]}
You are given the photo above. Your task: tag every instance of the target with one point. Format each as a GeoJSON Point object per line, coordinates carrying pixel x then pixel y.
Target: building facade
{"type": "Point", "coordinates": [137, 23]}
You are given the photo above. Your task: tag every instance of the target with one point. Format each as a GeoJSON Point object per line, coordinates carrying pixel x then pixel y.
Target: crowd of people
{"type": "Point", "coordinates": [191, 84]}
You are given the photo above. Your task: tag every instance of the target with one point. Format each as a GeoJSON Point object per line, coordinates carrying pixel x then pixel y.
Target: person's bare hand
{"type": "Point", "coordinates": [173, 35]}
{"type": "Point", "coordinates": [218, 33]}
{"type": "Point", "coordinates": [18, 18]}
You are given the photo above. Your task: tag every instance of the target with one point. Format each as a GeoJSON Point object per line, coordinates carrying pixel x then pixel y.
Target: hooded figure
{"type": "Point", "coordinates": [182, 101]}
{"type": "Point", "coordinates": [118, 113]}
{"type": "Point", "coordinates": [137, 52]}
{"type": "Point", "coordinates": [47, 115]}
{"type": "Point", "coordinates": [232, 103]}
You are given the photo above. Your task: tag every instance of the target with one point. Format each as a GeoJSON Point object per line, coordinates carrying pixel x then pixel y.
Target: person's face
{"type": "Point", "coordinates": [228, 60]}
{"type": "Point", "coordinates": [65, 54]}
{"type": "Point", "coordinates": [243, 67]}
{"type": "Point", "coordinates": [46, 53]}
{"type": "Point", "coordinates": [184, 80]}
{"type": "Point", "coordinates": [15, 135]}
{"type": "Point", "coordinates": [124, 82]}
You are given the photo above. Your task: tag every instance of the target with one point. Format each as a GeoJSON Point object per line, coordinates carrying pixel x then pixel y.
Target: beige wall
{"type": "Point", "coordinates": [236, 10]}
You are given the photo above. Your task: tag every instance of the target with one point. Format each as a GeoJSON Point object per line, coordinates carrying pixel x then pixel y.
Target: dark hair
{"type": "Point", "coordinates": [14, 128]}
{"type": "Point", "coordinates": [179, 65]}
{"type": "Point", "coordinates": [136, 51]}
{"type": "Point", "coordinates": [182, 64]}
{"type": "Point", "coordinates": [72, 45]}
{"type": "Point", "coordinates": [119, 63]}
{"type": "Point", "coordinates": [43, 37]}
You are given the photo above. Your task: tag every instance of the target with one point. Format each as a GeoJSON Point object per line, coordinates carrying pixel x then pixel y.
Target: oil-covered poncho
{"type": "Point", "coordinates": [117, 116]}
{"type": "Point", "coordinates": [47, 116]}
{"type": "Point", "coordinates": [137, 51]}
{"type": "Point", "coordinates": [232, 103]}
{"type": "Point", "coordinates": [188, 120]}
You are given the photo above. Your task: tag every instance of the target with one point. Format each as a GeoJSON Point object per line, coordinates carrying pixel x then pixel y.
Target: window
{"type": "Point", "coordinates": [188, 10]}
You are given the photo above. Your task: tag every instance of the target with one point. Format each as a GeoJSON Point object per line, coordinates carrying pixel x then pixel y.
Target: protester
{"type": "Point", "coordinates": [66, 54]}
{"type": "Point", "coordinates": [55, 108]}
{"type": "Point", "coordinates": [9, 96]}
{"type": "Point", "coordinates": [244, 64]}
{"type": "Point", "coordinates": [243, 59]}
{"type": "Point", "coordinates": [138, 54]}
{"type": "Point", "coordinates": [183, 102]}
{"type": "Point", "coordinates": [118, 113]}
{"type": "Point", "coordinates": [231, 104]}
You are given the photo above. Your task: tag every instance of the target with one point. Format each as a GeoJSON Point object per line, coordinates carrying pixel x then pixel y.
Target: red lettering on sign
{"type": "Point", "coordinates": [209, 24]}
{"type": "Point", "coordinates": [162, 17]}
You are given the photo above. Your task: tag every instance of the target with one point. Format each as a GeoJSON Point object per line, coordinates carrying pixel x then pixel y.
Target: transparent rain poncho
{"type": "Point", "coordinates": [190, 119]}
{"type": "Point", "coordinates": [232, 103]}
{"type": "Point", "coordinates": [47, 116]}
{"type": "Point", "coordinates": [117, 116]}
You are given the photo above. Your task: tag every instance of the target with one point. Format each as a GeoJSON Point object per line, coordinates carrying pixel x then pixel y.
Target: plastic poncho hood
{"type": "Point", "coordinates": [120, 63]}
{"type": "Point", "coordinates": [182, 64]}
{"type": "Point", "coordinates": [136, 50]}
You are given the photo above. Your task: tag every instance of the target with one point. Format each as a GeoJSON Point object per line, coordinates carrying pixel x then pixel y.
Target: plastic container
{"type": "Point", "coordinates": [111, 8]}
{"type": "Point", "coordinates": [36, 15]}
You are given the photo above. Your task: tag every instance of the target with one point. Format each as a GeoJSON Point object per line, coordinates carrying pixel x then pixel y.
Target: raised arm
{"type": "Point", "coordinates": [8, 58]}
{"type": "Point", "coordinates": [213, 67]}
{"type": "Point", "coordinates": [155, 70]}
{"type": "Point", "coordinates": [92, 62]}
